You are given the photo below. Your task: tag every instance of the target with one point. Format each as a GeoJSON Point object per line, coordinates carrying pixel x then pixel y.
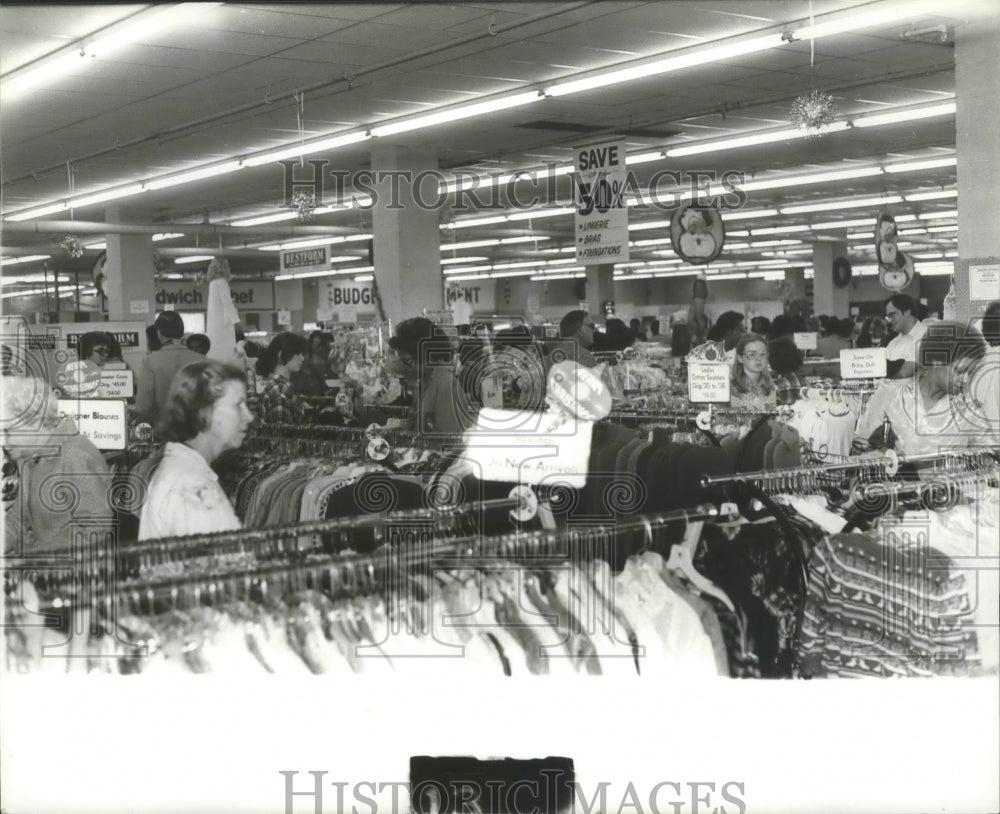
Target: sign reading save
{"type": "Point", "coordinates": [862, 363]}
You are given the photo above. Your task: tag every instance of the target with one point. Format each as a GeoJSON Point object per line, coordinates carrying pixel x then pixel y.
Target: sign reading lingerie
{"type": "Point", "coordinates": [601, 214]}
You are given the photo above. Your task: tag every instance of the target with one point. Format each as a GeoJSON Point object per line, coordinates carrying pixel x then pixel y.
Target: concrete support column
{"type": "Point", "coordinates": [129, 269]}
{"type": "Point", "coordinates": [977, 125]}
{"type": "Point", "coordinates": [407, 245]}
{"type": "Point", "coordinates": [600, 288]}
{"type": "Point", "coordinates": [827, 297]}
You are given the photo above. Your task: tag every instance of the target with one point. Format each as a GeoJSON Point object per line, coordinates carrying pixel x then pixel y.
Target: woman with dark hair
{"type": "Point", "coordinates": [920, 414]}
{"type": "Point", "coordinates": [786, 361]}
{"type": "Point", "coordinates": [205, 415]}
{"type": "Point", "coordinates": [874, 333]}
{"type": "Point", "coordinates": [617, 335]}
{"type": "Point", "coordinates": [311, 379]}
{"type": "Point", "coordinates": [278, 362]}
{"type": "Point", "coordinates": [97, 348]}
{"type": "Point", "coordinates": [442, 403]}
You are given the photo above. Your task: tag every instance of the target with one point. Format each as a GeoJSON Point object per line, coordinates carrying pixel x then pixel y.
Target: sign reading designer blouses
{"type": "Point", "coordinates": [100, 420]}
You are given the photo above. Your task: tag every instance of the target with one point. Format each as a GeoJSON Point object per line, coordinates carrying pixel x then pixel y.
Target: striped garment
{"type": "Point", "coordinates": [884, 609]}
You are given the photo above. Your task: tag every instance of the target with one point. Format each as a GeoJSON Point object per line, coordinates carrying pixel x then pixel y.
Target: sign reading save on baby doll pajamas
{"type": "Point", "coordinates": [601, 214]}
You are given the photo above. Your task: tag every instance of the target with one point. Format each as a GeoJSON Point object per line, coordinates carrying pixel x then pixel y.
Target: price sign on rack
{"type": "Point", "coordinates": [100, 420]}
{"type": "Point", "coordinates": [862, 363]}
{"type": "Point", "coordinates": [708, 383]}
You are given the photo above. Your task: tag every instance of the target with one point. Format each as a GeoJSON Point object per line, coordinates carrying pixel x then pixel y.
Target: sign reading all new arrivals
{"type": "Point", "coordinates": [248, 295]}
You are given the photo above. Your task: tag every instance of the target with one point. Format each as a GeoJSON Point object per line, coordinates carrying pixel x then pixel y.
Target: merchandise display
{"type": "Point", "coordinates": [354, 351]}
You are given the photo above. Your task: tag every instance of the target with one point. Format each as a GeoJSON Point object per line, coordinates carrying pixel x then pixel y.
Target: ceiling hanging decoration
{"type": "Point", "coordinates": [72, 247]}
{"type": "Point", "coordinates": [304, 203]}
{"type": "Point", "coordinates": [815, 110]}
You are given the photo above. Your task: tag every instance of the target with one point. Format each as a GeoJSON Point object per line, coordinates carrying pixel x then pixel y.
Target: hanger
{"type": "Point", "coordinates": [681, 561]}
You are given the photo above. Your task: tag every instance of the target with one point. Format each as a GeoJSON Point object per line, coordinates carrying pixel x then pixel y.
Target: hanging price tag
{"type": "Point", "coordinates": [529, 503]}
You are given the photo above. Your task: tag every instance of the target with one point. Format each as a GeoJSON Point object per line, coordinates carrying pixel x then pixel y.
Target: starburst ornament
{"type": "Point", "coordinates": [813, 111]}
{"type": "Point", "coordinates": [72, 247]}
{"type": "Point", "coordinates": [304, 203]}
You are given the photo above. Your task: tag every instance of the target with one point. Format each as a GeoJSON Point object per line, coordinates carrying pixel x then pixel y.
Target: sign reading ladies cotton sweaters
{"type": "Point", "coordinates": [601, 214]}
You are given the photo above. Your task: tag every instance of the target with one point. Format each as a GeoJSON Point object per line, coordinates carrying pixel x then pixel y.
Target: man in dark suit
{"type": "Point", "coordinates": [157, 370]}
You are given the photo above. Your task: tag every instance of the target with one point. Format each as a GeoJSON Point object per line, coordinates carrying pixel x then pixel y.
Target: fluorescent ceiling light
{"type": "Point", "coordinates": [108, 195]}
{"type": "Point", "coordinates": [194, 175]}
{"type": "Point", "coordinates": [890, 13]}
{"type": "Point", "coordinates": [929, 164]}
{"type": "Point", "coordinates": [538, 277]}
{"type": "Point", "coordinates": [471, 277]}
{"type": "Point", "coordinates": [28, 258]}
{"type": "Point", "coordinates": [951, 213]}
{"type": "Point", "coordinates": [101, 245]}
{"type": "Point", "coordinates": [542, 213]}
{"type": "Point", "coordinates": [139, 28]}
{"type": "Point", "coordinates": [195, 258]}
{"type": "Point", "coordinates": [651, 224]}
{"type": "Point", "coordinates": [451, 261]}
{"type": "Point", "coordinates": [832, 206]}
{"type": "Point", "coordinates": [167, 236]}
{"type": "Point", "coordinates": [736, 276]}
{"type": "Point", "coordinates": [932, 196]}
{"type": "Point", "coordinates": [500, 274]}
{"type": "Point", "coordinates": [756, 213]}
{"type": "Point", "coordinates": [303, 275]}
{"type": "Point", "coordinates": [780, 230]}
{"type": "Point", "coordinates": [642, 158]}
{"type": "Point", "coordinates": [305, 149]}
{"type": "Point", "coordinates": [892, 117]}
{"type": "Point", "coordinates": [487, 221]}
{"type": "Point", "coordinates": [466, 269]}
{"type": "Point", "coordinates": [32, 279]}
{"type": "Point", "coordinates": [278, 216]}
{"type": "Point", "coordinates": [845, 224]}
{"type": "Point", "coordinates": [692, 58]}
{"type": "Point", "coordinates": [40, 212]}
{"type": "Point", "coordinates": [456, 113]}
{"type": "Point", "coordinates": [754, 139]}
{"type": "Point", "coordinates": [347, 258]}
{"type": "Point", "coordinates": [314, 241]}
{"type": "Point", "coordinates": [937, 229]}
{"type": "Point", "coordinates": [782, 181]}
{"type": "Point", "coordinates": [364, 278]}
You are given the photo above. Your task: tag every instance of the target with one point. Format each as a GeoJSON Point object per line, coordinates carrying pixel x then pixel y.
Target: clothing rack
{"type": "Point", "coordinates": [344, 572]}
{"type": "Point", "coordinates": [394, 435]}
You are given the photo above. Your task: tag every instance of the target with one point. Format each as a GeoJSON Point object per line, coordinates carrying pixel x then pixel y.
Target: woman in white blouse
{"type": "Point", "coordinates": [205, 415]}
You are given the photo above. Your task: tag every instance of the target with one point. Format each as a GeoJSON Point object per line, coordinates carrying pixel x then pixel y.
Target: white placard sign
{"type": "Point", "coordinates": [708, 382]}
{"type": "Point", "coordinates": [138, 306]}
{"type": "Point", "coordinates": [117, 384]}
{"type": "Point", "coordinates": [601, 214]}
{"type": "Point", "coordinates": [984, 282]}
{"type": "Point", "coordinates": [347, 314]}
{"type": "Point", "coordinates": [284, 317]}
{"type": "Point", "coordinates": [100, 420]}
{"type": "Point", "coordinates": [516, 446]}
{"type": "Point", "coordinates": [805, 341]}
{"type": "Point", "coordinates": [862, 363]}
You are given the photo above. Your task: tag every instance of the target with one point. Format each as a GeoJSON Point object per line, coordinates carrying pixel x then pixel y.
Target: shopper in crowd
{"type": "Point", "coordinates": [760, 326]}
{"type": "Point", "coordinates": [920, 415]}
{"type": "Point", "coordinates": [618, 336]}
{"type": "Point", "coordinates": [873, 333]}
{"type": "Point", "coordinates": [680, 339]}
{"type": "Point", "coordinates": [577, 331]}
{"type": "Point", "coordinates": [442, 405]}
{"type": "Point", "coordinates": [96, 348]}
{"type": "Point", "coordinates": [153, 338]}
{"type": "Point", "coordinates": [838, 338]}
{"type": "Point", "coordinates": [750, 376]}
{"type": "Point", "coordinates": [157, 371]}
{"type": "Point", "coordinates": [984, 387]}
{"type": "Point", "coordinates": [640, 332]}
{"type": "Point", "coordinates": [199, 343]}
{"type": "Point", "coordinates": [785, 360]}
{"type": "Point", "coordinates": [62, 480]}
{"type": "Point", "coordinates": [901, 353]}
{"type": "Point", "coordinates": [311, 379]}
{"type": "Point", "coordinates": [991, 324]}
{"type": "Point", "coordinates": [782, 325]}
{"type": "Point", "coordinates": [205, 415]}
{"type": "Point", "coordinates": [278, 362]}
{"type": "Point", "coordinates": [722, 339]}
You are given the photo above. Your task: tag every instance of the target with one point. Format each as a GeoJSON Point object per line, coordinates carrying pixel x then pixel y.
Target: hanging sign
{"type": "Point", "coordinates": [984, 282]}
{"type": "Point", "coordinates": [895, 267]}
{"type": "Point", "coordinates": [601, 214]}
{"type": "Point", "coordinates": [284, 317]}
{"type": "Point", "coordinates": [806, 341]}
{"type": "Point", "coordinates": [294, 261]}
{"type": "Point", "coordinates": [697, 233]}
{"type": "Point", "coordinates": [127, 334]}
{"type": "Point", "coordinates": [248, 295]}
{"type": "Point", "coordinates": [336, 294]}
{"type": "Point", "coordinates": [138, 306]}
{"type": "Point", "coordinates": [516, 446]}
{"type": "Point", "coordinates": [100, 420]}
{"type": "Point", "coordinates": [708, 382]}
{"type": "Point", "coordinates": [347, 315]}
{"type": "Point", "coordinates": [862, 363]}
